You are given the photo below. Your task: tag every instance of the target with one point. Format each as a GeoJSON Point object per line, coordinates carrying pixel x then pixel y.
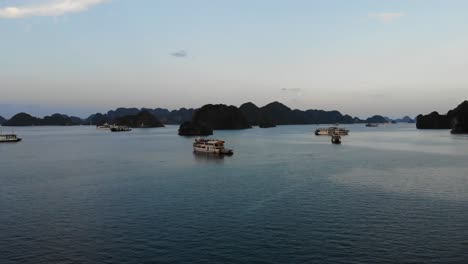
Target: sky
{"type": "Point", "coordinates": [361, 57]}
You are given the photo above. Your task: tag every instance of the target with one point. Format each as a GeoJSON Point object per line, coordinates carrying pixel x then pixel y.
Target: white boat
{"type": "Point", "coordinates": [331, 130]}
{"type": "Point", "coordinates": [9, 138]}
{"type": "Point", "coordinates": [372, 125]}
{"type": "Point", "coordinates": [213, 146]}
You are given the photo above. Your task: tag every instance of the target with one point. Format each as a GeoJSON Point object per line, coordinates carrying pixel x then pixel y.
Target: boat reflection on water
{"type": "Point", "coordinates": [208, 157]}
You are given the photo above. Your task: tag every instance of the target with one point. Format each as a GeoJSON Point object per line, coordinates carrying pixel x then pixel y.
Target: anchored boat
{"type": "Point", "coordinates": [213, 146]}
{"type": "Point", "coordinates": [331, 130]}
{"type": "Point", "coordinates": [9, 138]}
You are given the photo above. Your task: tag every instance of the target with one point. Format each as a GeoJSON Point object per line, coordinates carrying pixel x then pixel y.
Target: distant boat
{"type": "Point", "coordinates": [212, 146]}
{"type": "Point", "coordinates": [372, 125]}
{"type": "Point", "coordinates": [120, 129]}
{"type": "Point", "coordinates": [336, 139]}
{"type": "Point", "coordinates": [331, 130]}
{"type": "Point", "coordinates": [9, 138]}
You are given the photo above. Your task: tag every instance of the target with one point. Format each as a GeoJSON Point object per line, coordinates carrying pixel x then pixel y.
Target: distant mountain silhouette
{"type": "Point", "coordinates": [277, 113]}
{"type": "Point", "coordinates": [189, 128]}
{"type": "Point", "coordinates": [266, 124]}
{"type": "Point", "coordinates": [405, 119]}
{"type": "Point", "coordinates": [433, 121]}
{"type": "Point", "coordinates": [456, 119]}
{"type": "Point", "coordinates": [58, 120]}
{"type": "Point", "coordinates": [357, 120]}
{"type": "Point", "coordinates": [97, 119]}
{"type": "Point", "coordinates": [2, 120]}
{"type": "Point", "coordinates": [77, 120]}
{"type": "Point", "coordinates": [23, 119]}
{"type": "Point", "coordinates": [219, 117]}
{"type": "Point", "coordinates": [251, 112]}
{"type": "Point", "coordinates": [173, 117]}
{"type": "Point", "coordinates": [459, 118]}
{"type": "Point", "coordinates": [377, 119]}
{"type": "Point", "coordinates": [121, 112]}
{"type": "Point", "coordinates": [214, 117]}
{"type": "Point", "coordinates": [229, 117]}
{"type": "Point", "coordinates": [164, 115]}
{"type": "Point", "coordinates": [143, 119]}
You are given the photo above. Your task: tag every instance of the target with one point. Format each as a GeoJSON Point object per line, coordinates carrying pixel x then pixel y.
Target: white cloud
{"type": "Point", "coordinates": [51, 8]}
{"type": "Point", "coordinates": [385, 17]}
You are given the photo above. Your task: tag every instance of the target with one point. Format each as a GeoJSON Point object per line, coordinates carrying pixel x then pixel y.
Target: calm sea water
{"type": "Point", "coordinates": [391, 194]}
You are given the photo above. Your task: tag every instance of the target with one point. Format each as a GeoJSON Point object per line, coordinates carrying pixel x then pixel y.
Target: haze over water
{"type": "Point", "coordinates": [391, 194]}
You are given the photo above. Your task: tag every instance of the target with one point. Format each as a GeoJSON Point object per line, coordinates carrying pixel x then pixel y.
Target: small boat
{"type": "Point", "coordinates": [372, 125]}
{"type": "Point", "coordinates": [9, 138]}
{"type": "Point", "coordinates": [120, 129]}
{"type": "Point", "coordinates": [331, 130]}
{"type": "Point", "coordinates": [336, 139]}
{"type": "Point", "coordinates": [212, 146]}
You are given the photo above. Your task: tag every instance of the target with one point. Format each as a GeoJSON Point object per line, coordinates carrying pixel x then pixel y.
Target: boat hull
{"type": "Point", "coordinates": [11, 141]}
{"type": "Point", "coordinates": [204, 150]}
{"type": "Point", "coordinates": [321, 133]}
{"type": "Point", "coordinates": [120, 129]}
{"type": "Point", "coordinates": [213, 151]}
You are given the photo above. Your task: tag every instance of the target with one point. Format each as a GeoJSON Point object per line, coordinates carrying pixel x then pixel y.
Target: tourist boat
{"type": "Point", "coordinates": [372, 125]}
{"type": "Point", "coordinates": [336, 139]}
{"type": "Point", "coordinates": [120, 129]}
{"type": "Point", "coordinates": [331, 130]}
{"type": "Point", "coordinates": [212, 146]}
{"type": "Point", "coordinates": [9, 138]}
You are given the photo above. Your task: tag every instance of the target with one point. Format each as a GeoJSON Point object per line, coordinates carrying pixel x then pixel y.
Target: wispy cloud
{"type": "Point", "coordinates": [179, 54]}
{"type": "Point", "coordinates": [385, 17]}
{"type": "Point", "coordinates": [50, 8]}
{"type": "Point", "coordinates": [296, 90]}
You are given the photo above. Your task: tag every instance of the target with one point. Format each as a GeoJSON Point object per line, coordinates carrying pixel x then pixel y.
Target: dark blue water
{"type": "Point", "coordinates": [387, 195]}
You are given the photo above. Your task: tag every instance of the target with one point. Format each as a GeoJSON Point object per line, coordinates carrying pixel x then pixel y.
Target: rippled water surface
{"type": "Point", "coordinates": [391, 194]}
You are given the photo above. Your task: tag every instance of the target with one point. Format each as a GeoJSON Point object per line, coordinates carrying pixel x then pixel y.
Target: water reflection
{"type": "Point", "coordinates": [459, 136]}
{"type": "Point", "coordinates": [208, 158]}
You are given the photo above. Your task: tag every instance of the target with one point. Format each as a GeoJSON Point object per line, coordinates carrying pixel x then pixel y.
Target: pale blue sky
{"type": "Point", "coordinates": [391, 57]}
